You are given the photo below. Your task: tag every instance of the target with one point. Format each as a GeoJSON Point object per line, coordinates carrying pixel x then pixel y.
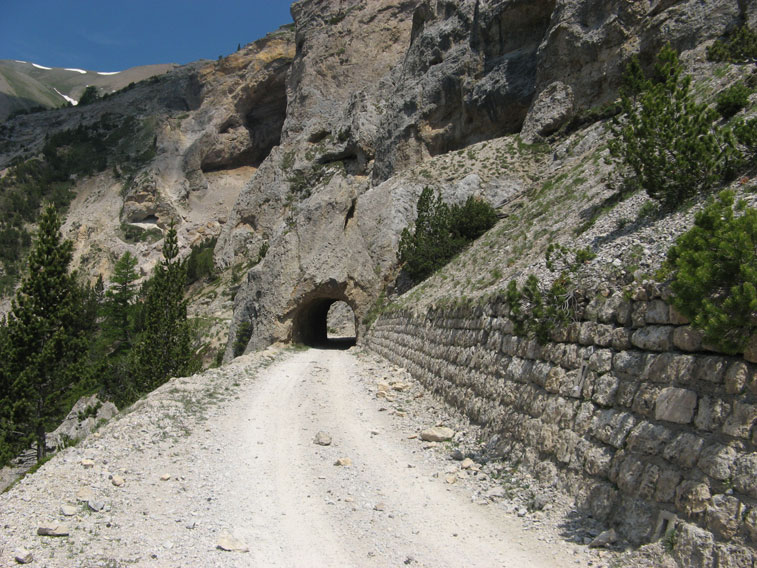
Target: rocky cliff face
{"type": "Point", "coordinates": [468, 75]}
{"type": "Point", "coordinates": [205, 128]}
{"type": "Point", "coordinates": [305, 152]}
{"type": "Point", "coordinates": [411, 100]}
{"type": "Point", "coordinates": [314, 142]}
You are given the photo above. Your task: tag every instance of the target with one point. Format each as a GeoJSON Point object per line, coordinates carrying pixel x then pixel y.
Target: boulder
{"type": "Point", "coordinates": [230, 543]}
{"type": "Point", "coordinates": [437, 434]}
{"type": "Point", "coordinates": [53, 529]}
{"type": "Point", "coordinates": [81, 421]}
{"type": "Point", "coordinates": [604, 539]}
{"type": "Point", "coordinates": [23, 556]}
{"type": "Point", "coordinates": [552, 108]}
{"type": "Point", "coordinates": [322, 439]}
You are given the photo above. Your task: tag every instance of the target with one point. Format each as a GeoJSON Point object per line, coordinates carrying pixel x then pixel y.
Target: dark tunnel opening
{"type": "Point", "coordinates": [325, 323]}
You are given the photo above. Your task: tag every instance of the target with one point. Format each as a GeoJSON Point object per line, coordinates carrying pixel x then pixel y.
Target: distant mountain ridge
{"type": "Point", "coordinates": [27, 85]}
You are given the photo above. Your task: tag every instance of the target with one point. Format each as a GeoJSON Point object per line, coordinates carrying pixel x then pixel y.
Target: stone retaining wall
{"type": "Point", "coordinates": [623, 410]}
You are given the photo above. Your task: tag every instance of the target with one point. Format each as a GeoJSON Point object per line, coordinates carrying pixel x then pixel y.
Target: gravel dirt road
{"type": "Point", "coordinates": [228, 457]}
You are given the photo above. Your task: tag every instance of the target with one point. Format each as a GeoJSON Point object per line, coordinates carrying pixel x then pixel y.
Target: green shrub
{"type": "Point", "coordinates": [536, 312]}
{"type": "Point", "coordinates": [376, 310]}
{"type": "Point", "coordinates": [739, 47]}
{"type": "Point", "coordinates": [668, 140]}
{"type": "Point", "coordinates": [715, 273]}
{"type": "Point", "coordinates": [244, 333]}
{"type": "Point", "coordinates": [731, 100]}
{"type": "Point", "coordinates": [746, 134]}
{"type": "Point", "coordinates": [440, 232]}
{"type": "Point", "coordinates": [472, 219]}
{"type": "Point", "coordinates": [262, 251]}
{"type": "Point", "coordinates": [648, 210]}
{"type": "Point", "coordinates": [562, 258]}
{"type": "Point", "coordinates": [200, 262]}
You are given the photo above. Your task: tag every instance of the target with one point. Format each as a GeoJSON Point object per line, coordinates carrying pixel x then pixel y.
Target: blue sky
{"type": "Point", "coordinates": [104, 35]}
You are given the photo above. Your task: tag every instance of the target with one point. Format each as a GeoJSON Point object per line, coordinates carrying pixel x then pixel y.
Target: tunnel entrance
{"type": "Point", "coordinates": [325, 323]}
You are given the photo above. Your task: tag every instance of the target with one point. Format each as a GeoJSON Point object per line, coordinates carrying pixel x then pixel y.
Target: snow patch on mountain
{"type": "Point", "coordinates": [69, 99]}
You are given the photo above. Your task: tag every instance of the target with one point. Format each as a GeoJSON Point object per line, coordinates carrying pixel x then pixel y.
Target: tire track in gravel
{"type": "Point", "coordinates": [386, 509]}
{"type": "Point", "coordinates": [231, 451]}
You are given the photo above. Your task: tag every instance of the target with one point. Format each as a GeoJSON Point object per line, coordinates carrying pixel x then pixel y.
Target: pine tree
{"type": "Point", "coordinates": [45, 344]}
{"type": "Point", "coordinates": [164, 348]}
{"type": "Point", "coordinates": [7, 448]}
{"type": "Point", "coordinates": [715, 272]}
{"type": "Point", "coordinates": [118, 324]}
{"type": "Point", "coordinates": [670, 142]}
{"type": "Point", "coordinates": [440, 232]}
{"type": "Point", "coordinates": [428, 247]}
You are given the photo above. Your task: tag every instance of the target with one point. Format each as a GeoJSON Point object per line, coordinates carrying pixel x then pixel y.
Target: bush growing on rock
{"type": "Point", "coordinates": [732, 99]}
{"type": "Point", "coordinates": [440, 232]}
{"type": "Point", "coordinates": [746, 134]}
{"type": "Point", "coordinates": [715, 273]}
{"type": "Point", "coordinates": [670, 142]}
{"type": "Point", "coordinates": [200, 262]}
{"type": "Point", "coordinates": [739, 47]}
{"type": "Point", "coordinates": [244, 333]}
{"type": "Point", "coordinates": [536, 311]}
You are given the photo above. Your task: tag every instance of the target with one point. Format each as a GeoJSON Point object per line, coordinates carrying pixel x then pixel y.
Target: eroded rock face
{"type": "Point", "coordinates": [375, 90]}
{"type": "Point", "coordinates": [468, 75]}
{"type": "Point", "coordinates": [242, 116]}
{"type": "Point", "coordinates": [189, 141]}
{"type": "Point", "coordinates": [343, 51]}
{"type": "Point", "coordinates": [589, 43]}
{"type": "Point", "coordinates": [318, 258]}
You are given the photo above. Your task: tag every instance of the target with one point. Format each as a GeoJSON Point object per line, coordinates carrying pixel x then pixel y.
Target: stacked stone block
{"type": "Point", "coordinates": [624, 409]}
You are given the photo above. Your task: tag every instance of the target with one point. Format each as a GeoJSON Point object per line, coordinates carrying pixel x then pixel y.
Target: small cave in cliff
{"type": "Point", "coordinates": [247, 138]}
{"type": "Point", "coordinates": [265, 121]}
{"type": "Point", "coordinates": [325, 323]}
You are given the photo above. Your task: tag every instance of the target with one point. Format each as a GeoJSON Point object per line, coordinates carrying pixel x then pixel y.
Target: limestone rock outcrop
{"type": "Point", "coordinates": [468, 75]}
{"type": "Point", "coordinates": [427, 78]}
{"type": "Point", "coordinates": [243, 113]}
{"type": "Point", "coordinates": [81, 421]}
{"type": "Point", "coordinates": [589, 43]}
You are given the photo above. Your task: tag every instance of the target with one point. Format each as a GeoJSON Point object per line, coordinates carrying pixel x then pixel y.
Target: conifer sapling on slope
{"type": "Point", "coordinates": [715, 273]}
{"type": "Point", "coordinates": [120, 297]}
{"type": "Point", "coordinates": [164, 349]}
{"type": "Point", "coordinates": [45, 344]}
{"type": "Point", "coordinates": [670, 142]}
